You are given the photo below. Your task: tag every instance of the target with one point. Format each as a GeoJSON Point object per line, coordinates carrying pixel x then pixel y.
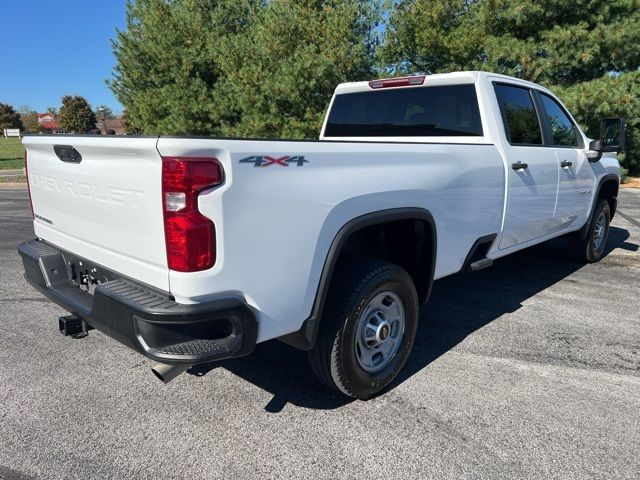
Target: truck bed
{"type": "Point", "coordinates": [276, 213]}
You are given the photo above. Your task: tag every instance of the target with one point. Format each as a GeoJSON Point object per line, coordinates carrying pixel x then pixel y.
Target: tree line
{"type": "Point", "coordinates": [75, 115]}
{"type": "Point", "coordinates": [268, 68]}
{"type": "Point", "coordinates": [262, 68]}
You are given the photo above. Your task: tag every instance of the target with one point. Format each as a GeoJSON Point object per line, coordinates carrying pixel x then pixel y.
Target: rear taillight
{"type": "Point", "coordinates": [26, 171]}
{"type": "Point", "coordinates": [397, 82]}
{"type": "Point", "coordinates": [189, 235]}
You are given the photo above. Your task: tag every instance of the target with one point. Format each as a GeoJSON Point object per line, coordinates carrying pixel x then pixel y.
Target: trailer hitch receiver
{"type": "Point", "coordinates": [73, 326]}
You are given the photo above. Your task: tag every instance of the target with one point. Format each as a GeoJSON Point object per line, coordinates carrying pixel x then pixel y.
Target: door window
{"type": "Point", "coordinates": [519, 115]}
{"type": "Point", "coordinates": [563, 131]}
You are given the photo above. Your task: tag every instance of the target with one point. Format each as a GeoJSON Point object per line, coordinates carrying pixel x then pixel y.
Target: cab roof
{"type": "Point", "coordinates": [434, 79]}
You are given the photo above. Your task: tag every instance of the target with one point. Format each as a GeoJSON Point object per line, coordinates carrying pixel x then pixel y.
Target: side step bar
{"type": "Point", "coordinates": [480, 264]}
{"type": "Point", "coordinates": [477, 256]}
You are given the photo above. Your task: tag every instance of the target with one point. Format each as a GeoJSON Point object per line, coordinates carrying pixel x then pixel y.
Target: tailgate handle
{"type": "Point", "coordinates": [67, 153]}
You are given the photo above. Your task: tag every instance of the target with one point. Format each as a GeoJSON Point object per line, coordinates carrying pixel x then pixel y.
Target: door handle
{"type": "Point", "coordinates": [519, 165]}
{"type": "Point", "coordinates": [565, 164]}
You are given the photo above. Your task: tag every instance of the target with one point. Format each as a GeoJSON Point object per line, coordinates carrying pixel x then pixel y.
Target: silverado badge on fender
{"type": "Point", "coordinates": [267, 161]}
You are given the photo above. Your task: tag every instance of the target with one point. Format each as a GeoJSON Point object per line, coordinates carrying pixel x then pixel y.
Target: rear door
{"type": "Point", "coordinates": [100, 198]}
{"type": "Point", "coordinates": [575, 173]}
{"type": "Point", "coordinates": [533, 167]}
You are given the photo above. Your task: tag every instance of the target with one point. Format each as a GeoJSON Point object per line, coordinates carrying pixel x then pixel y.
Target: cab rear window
{"type": "Point", "coordinates": [438, 111]}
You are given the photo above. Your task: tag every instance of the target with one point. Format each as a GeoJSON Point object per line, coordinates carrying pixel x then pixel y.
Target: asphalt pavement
{"type": "Point", "coordinates": [529, 369]}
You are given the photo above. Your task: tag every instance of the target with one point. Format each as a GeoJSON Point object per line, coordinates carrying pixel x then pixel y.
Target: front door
{"type": "Point", "coordinates": [533, 167]}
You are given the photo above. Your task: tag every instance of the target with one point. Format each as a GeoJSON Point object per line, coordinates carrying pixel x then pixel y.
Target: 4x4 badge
{"type": "Point", "coordinates": [267, 161]}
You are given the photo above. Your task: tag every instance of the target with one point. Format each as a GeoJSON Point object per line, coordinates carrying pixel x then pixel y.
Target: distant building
{"type": "Point", "coordinates": [115, 124]}
{"type": "Point", "coordinates": [49, 123]}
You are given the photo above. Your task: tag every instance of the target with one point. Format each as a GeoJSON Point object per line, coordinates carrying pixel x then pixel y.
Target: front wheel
{"type": "Point", "coordinates": [368, 328]}
{"type": "Point", "coordinates": [592, 248]}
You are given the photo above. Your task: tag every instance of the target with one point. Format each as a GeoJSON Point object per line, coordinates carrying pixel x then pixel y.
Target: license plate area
{"type": "Point", "coordinates": [86, 276]}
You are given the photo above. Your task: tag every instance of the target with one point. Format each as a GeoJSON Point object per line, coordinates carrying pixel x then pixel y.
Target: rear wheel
{"type": "Point", "coordinates": [368, 328]}
{"type": "Point", "coordinates": [592, 248]}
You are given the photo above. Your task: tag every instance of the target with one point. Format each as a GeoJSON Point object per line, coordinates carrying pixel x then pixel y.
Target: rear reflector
{"type": "Point", "coordinates": [189, 235]}
{"type": "Point", "coordinates": [397, 82]}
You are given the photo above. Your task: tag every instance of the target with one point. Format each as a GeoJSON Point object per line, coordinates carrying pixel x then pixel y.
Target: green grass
{"type": "Point", "coordinates": [11, 153]}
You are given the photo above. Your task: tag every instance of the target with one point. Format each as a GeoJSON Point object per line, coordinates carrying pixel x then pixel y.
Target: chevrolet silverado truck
{"type": "Point", "coordinates": [191, 249]}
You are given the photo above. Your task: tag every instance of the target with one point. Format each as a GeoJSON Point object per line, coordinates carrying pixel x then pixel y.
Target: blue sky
{"type": "Point", "coordinates": [52, 48]}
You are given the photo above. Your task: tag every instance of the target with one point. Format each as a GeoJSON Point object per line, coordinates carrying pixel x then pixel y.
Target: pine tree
{"type": "Point", "coordinates": [168, 66]}
{"type": "Point", "coordinates": [280, 74]}
{"type": "Point", "coordinates": [585, 50]}
{"type": "Point", "coordinates": [239, 67]}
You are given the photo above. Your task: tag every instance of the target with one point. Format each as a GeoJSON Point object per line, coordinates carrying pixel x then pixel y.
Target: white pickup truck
{"type": "Point", "coordinates": [192, 249]}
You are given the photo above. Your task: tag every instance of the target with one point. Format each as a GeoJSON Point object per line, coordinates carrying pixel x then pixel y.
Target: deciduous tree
{"type": "Point", "coordinates": [9, 118]}
{"type": "Point", "coordinates": [29, 119]}
{"type": "Point", "coordinates": [76, 115]}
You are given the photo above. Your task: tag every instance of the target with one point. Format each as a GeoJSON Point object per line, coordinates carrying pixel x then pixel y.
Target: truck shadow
{"type": "Point", "coordinates": [459, 305]}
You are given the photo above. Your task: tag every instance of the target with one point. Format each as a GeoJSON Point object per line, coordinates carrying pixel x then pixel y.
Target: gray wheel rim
{"type": "Point", "coordinates": [380, 331]}
{"type": "Point", "coordinates": [600, 232]}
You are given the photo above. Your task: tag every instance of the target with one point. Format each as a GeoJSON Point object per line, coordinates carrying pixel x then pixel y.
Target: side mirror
{"type": "Point", "coordinates": [595, 151]}
{"type": "Point", "coordinates": [612, 135]}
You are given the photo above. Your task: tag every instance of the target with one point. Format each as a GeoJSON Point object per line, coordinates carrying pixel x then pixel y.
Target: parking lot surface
{"type": "Point", "coordinates": [529, 369]}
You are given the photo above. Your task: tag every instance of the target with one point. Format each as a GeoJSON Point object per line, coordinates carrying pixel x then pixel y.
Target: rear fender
{"type": "Point", "coordinates": [305, 337]}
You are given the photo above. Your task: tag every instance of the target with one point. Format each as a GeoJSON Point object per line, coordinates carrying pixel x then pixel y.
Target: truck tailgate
{"type": "Point", "coordinates": [105, 204]}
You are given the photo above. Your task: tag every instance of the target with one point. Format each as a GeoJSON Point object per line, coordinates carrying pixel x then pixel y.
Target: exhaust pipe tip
{"type": "Point", "coordinates": [165, 373]}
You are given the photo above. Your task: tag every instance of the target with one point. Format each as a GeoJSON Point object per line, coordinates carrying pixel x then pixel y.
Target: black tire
{"type": "Point", "coordinates": [334, 357]}
{"type": "Point", "coordinates": [589, 249]}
